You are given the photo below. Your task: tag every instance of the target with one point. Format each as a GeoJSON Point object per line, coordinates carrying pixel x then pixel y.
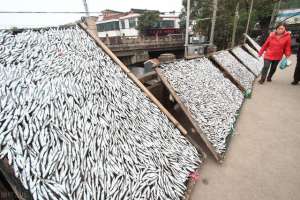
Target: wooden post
{"type": "Point", "coordinates": [134, 79]}
{"type": "Point", "coordinates": [186, 44]}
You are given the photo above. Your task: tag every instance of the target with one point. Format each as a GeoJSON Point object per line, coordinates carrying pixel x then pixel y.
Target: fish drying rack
{"type": "Point", "coordinates": [22, 193]}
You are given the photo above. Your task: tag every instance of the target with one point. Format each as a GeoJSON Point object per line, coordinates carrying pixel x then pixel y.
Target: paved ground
{"type": "Point", "coordinates": [263, 161]}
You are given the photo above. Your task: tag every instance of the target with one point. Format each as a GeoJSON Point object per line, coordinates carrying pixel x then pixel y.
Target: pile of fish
{"type": "Point", "coordinates": [211, 98]}
{"type": "Point", "coordinates": [254, 53]}
{"type": "Point", "coordinates": [74, 126]}
{"type": "Point", "coordinates": [236, 69]}
{"type": "Point", "coordinates": [252, 63]}
{"type": "Point", "coordinates": [253, 42]}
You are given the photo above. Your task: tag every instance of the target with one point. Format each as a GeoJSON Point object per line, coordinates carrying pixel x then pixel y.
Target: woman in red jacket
{"type": "Point", "coordinates": [277, 44]}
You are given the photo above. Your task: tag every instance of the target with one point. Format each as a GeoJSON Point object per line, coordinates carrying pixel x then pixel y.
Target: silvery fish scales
{"type": "Point", "coordinates": [237, 70]}
{"type": "Point", "coordinates": [212, 99]}
{"type": "Point", "coordinates": [253, 64]}
{"type": "Point", "coordinates": [74, 126]}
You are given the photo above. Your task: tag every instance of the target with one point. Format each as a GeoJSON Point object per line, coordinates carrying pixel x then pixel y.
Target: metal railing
{"type": "Point", "coordinates": [140, 40]}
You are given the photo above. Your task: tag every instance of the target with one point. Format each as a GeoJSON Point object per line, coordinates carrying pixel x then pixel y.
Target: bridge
{"type": "Point", "coordinates": [136, 50]}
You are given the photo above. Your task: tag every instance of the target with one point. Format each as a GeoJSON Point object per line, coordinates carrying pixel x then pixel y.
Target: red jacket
{"type": "Point", "coordinates": [276, 47]}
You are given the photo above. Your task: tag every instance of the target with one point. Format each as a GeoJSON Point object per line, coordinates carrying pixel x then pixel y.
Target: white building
{"type": "Point", "coordinates": [118, 24]}
{"type": "Point", "coordinates": [128, 24]}
{"type": "Point", "coordinates": [289, 16]}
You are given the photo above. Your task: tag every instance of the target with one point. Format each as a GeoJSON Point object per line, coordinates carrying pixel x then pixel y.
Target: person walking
{"type": "Point", "coordinates": [277, 44]}
{"type": "Point", "coordinates": [297, 69]}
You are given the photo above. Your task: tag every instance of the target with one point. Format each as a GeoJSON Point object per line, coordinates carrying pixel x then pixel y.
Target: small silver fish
{"type": "Point", "coordinates": [74, 126]}
{"type": "Point", "coordinates": [210, 97]}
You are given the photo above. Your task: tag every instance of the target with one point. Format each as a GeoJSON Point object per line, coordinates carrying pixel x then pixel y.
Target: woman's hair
{"type": "Point", "coordinates": [281, 24]}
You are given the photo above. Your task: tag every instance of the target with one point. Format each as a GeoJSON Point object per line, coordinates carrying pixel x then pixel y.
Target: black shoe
{"type": "Point", "coordinates": [269, 79]}
{"type": "Point", "coordinates": [261, 81]}
{"type": "Point", "coordinates": [295, 82]}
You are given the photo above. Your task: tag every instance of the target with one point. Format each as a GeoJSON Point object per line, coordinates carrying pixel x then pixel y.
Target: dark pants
{"type": "Point", "coordinates": [265, 70]}
{"type": "Point", "coordinates": [297, 71]}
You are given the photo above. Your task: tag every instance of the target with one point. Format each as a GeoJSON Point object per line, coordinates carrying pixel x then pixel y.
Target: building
{"type": "Point", "coordinates": [290, 16]}
{"type": "Point", "coordinates": [119, 24]}
{"type": "Point", "coordinates": [91, 23]}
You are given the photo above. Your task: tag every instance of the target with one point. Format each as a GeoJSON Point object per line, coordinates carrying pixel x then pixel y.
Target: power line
{"type": "Point", "coordinates": [58, 12]}
{"type": "Point", "coordinates": [46, 12]}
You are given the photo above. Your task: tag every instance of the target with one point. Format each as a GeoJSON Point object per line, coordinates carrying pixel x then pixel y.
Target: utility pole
{"type": "Point", "coordinates": [274, 13]}
{"type": "Point", "coordinates": [249, 18]}
{"type": "Point", "coordinates": [235, 23]}
{"type": "Point", "coordinates": [213, 22]}
{"type": "Point", "coordinates": [86, 8]}
{"type": "Point", "coordinates": [277, 11]}
{"type": "Point", "coordinates": [279, 4]}
{"type": "Point", "coordinates": [187, 28]}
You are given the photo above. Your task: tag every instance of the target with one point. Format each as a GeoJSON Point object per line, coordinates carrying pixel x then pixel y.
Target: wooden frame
{"type": "Point", "coordinates": [13, 182]}
{"type": "Point", "coordinates": [133, 77]}
{"type": "Point", "coordinates": [246, 49]}
{"type": "Point", "coordinates": [147, 77]}
{"type": "Point", "coordinates": [16, 185]}
{"type": "Point", "coordinates": [191, 182]}
{"type": "Point", "coordinates": [241, 61]}
{"type": "Point", "coordinates": [197, 129]}
{"type": "Point", "coordinates": [252, 42]}
{"type": "Point", "coordinates": [227, 74]}
{"type": "Point", "coordinates": [218, 157]}
{"type": "Point", "coordinates": [142, 87]}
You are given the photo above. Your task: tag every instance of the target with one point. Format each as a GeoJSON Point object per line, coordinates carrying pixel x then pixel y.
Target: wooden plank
{"type": "Point", "coordinates": [13, 182]}
{"type": "Point", "coordinates": [251, 53]}
{"type": "Point", "coordinates": [218, 157]}
{"type": "Point", "coordinates": [133, 78]}
{"type": "Point", "coordinates": [159, 90]}
{"type": "Point", "coordinates": [253, 43]}
{"type": "Point", "coordinates": [147, 77]}
{"type": "Point", "coordinates": [193, 57]}
{"type": "Point", "coordinates": [227, 74]}
{"type": "Point", "coordinates": [154, 86]}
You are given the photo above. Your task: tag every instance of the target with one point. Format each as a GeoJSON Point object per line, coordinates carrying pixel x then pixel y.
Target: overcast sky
{"type": "Point", "coordinates": [36, 20]}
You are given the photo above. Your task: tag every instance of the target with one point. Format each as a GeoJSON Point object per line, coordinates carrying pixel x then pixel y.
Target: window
{"type": "Point", "coordinates": [122, 24]}
{"type": "Point", "coordinates": [99, 28]}
{"type": "Point", "coordinates": [132, 23]}
{"type": "Point", "coordinates": [109, 26]}
{"type": "Point", "coordinates": [167, 24]}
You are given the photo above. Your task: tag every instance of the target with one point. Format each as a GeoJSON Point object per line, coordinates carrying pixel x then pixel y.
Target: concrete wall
{"type": "Point", "coordinates": [115, 33]}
